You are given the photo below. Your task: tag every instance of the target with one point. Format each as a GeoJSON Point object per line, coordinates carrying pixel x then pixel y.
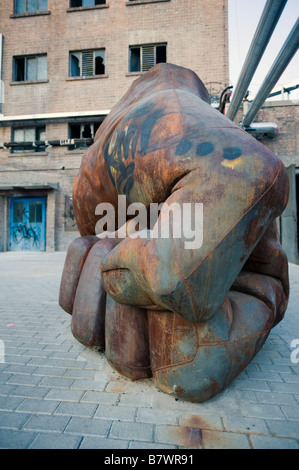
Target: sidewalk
{"type": "Point", "coordinates": [55, 393]}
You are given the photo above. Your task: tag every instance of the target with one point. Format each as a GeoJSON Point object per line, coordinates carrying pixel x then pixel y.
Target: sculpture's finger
{"type": "Point", "coordinates": [74, 262]}
{"type": "Point", "coordinates": [127, 342]}
{"type": "Point", "coordinates": [88, 318]}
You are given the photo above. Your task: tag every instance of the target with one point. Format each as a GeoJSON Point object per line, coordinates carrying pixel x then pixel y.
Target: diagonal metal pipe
{"type": "Point", "coordinates": [285, 55]}
{"type": "Point", "coordinates": [265, 28]}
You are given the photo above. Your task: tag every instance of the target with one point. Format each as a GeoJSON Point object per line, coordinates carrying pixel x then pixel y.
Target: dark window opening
{"type": "Point", "coordinates": [143, 58]}
{"type": "Point", "coordinates": [35, 211]}
{"type": "Point", "coordinates": [86, 3]}
{"type": "Point", "coordinates": [83, 131]}
{"type": "Point", "coordinates": [30, 6]}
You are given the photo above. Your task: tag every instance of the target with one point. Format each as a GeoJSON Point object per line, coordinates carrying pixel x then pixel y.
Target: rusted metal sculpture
{"type": "Point", "coordinates": [190, 318]}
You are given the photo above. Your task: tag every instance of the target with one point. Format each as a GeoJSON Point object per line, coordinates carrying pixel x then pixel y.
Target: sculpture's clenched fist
{"type": "Point", "coordinates": [190, 316]}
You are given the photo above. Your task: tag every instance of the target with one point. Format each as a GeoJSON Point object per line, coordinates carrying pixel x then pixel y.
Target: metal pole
{"type": "Point", "coordinates": [265, 28]}
{"type": "Point", "coordinates": [1, 81]}
{"type": "Point", "coordinates": [286, 53]}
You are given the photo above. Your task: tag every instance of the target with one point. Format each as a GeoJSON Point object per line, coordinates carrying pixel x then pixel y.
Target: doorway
{"type": "Point", "coordinates": [27, 224]}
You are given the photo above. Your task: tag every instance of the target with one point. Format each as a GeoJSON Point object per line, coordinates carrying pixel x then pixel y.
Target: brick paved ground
{"type": "Point", "coordinates": [54, 393]}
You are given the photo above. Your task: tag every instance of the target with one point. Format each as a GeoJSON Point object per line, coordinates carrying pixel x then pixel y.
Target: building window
{"type": "Point", "coordinates": [83, 131]}
{"type": "Point", "coordinates": [142, 58]}
{"type": "Point", "coordinates": [86, 63]}
{"type": "Point", "coordinates": [30, 139]}
{"type": "Point", "coordinates": [30, 6]}
{"type": "Point", "coordinates": [30, 68]}
{"type": "Point", "coordinates": [86, 3]}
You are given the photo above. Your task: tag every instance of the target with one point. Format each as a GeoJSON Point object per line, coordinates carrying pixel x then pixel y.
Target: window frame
{"type": "Point", "coordinates": [21, 149]}
{"type": "Point", "coordinates": [26, 58]}
{"type": "Point", "coordinates": [80, 53]}
{"type": "Point", "coordinates": [26, 12]}
{"type": "Point", "coordinates": [86, 7]}
{"type": "Point", "coordinates": [93, 125]}
{"type": "Point", "coordinates": [143, 70]}
{"type": "Point", "coordinates": [141, 2]}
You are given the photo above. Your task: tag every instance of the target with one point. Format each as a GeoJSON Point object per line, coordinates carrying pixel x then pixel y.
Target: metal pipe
{"type": "Point", "coordinates": [1, 81]}
{"type": "Point", "coordinates": [265, 28]}
{"type": "Point", "coordinates": [286, 53]}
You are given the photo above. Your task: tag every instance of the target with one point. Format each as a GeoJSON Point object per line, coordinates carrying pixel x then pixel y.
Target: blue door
{"type": "Point", "coordinates": [27, 224]}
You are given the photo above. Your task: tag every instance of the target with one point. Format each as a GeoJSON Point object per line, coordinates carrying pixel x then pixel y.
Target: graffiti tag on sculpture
{"type": "Point", "coordinates": [178, 274]}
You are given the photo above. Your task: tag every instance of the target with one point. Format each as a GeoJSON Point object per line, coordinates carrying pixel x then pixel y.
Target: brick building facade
{"type": "Point", "coordinates": [64, 64]}
{"type": "Point", "coordinates": [285, 114]}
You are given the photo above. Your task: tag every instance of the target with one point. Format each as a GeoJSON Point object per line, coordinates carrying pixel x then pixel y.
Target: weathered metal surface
{"type": "Point", "coordinates": [74, 262]}
{"type": "Point", "coordinates": [210, 308]}
{"type": "Point", "coordinates": [127, 341]}
{"type": "Point", "coordinates": [88, 317]}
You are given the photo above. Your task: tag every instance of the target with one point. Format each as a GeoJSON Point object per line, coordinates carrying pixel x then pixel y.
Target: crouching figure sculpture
{"type": "Point", "coordinates": [192, 317]}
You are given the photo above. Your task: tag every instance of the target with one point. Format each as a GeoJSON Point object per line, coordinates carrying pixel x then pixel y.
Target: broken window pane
{"type": "Point", "coordinates": [86, 63]}
{"type": "Point", "coordinates": [135, 59]}
{"type": "Point", "coordinates": [75, 65]}
{"type": "Point", "coordinates": [99, 62]}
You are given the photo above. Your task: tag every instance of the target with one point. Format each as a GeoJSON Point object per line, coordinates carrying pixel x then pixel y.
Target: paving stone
{"type": "Point", "coordinates": [291, 412]}
{"type": "Point", "coordinates": [224, 440]}
{"type": "Point", "coordinates": [46, 423]}
{"type": "Point", "coordinates": [179, 435]}
{"type": "Point", "coordinates": [32, 405]}
{"type": "Point", "coordinates": [269, 442]}
{"type": "Point", "coordinates": [131, 431]}
{"type": "Point", "coordinates": [275, 398]}
{"type": "Point", "coordinates": [245, 424]}
{"type": "Point", "coordinates": [64, 394]}
{"type": "Point", "coordinates": [85, 384]}
{"type": "Point", "coordinates": [10, 439]}
{"type": "Point", "coordinates": [103, 443]}
{"type": "Point", "coordinates": [124, 413]}
{"type": "Point", "coordinates": [13, 420]}
{"type": "Point", "coordinates": [8, 403]}
{"type": "Point", "coordinates": [157, 416]}
{"type": "Point", "coordinates": [284, 428]}
{"type": "Point", "coordinates": [88, 426]}
{"type": "Point", "coordinates": [150, 445]}
{"type": "Point", "coordinates": [100, 397]}
{"type": "Point", "coordinates": [262, 411]}
{"type": "Point", "coordinates": [55, 441]}
{"type": "Point", "coordinates": [86, 410]}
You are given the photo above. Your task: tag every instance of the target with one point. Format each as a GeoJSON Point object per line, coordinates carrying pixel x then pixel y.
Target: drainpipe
{"type": "Point", "coordinates": [285, 55]}
{"type": "Point", "coordinates": [265, 28]}
{"type": "Point", "coordinates": [1, 81]}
